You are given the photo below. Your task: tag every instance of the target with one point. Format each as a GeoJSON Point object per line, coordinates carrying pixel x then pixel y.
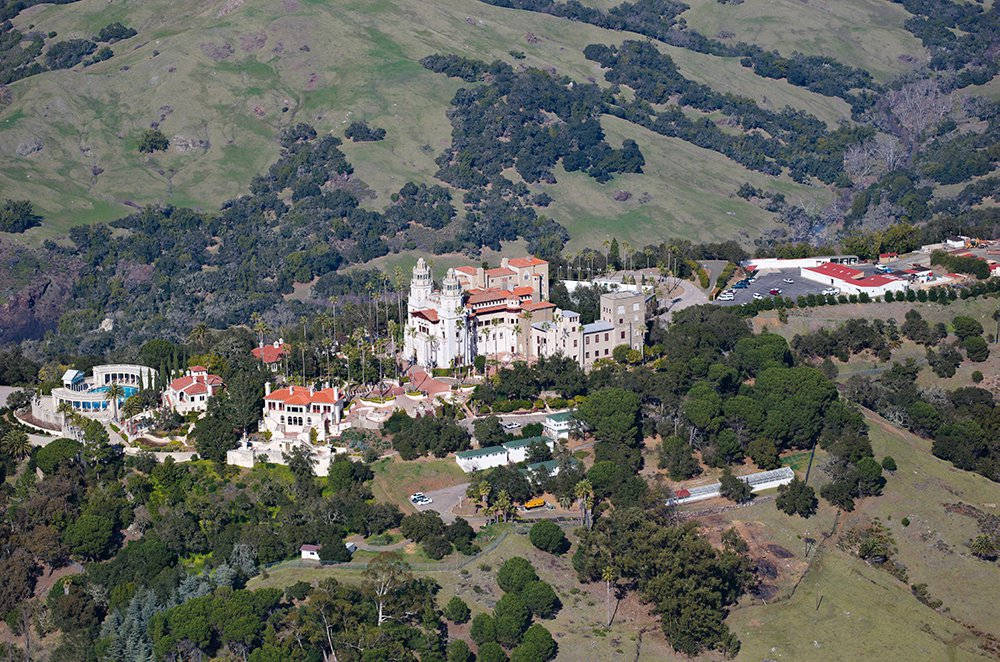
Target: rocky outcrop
{"type": "Point", "coordinates": [34, 309]}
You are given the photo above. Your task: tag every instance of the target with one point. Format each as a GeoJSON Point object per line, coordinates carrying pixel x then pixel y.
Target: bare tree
{"type": "Point", "coordinates": [918, 106]}
{"type": "Point", "coordinates": [384, 576]}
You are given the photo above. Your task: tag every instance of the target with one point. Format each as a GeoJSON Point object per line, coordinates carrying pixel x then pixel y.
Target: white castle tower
{"type": "Point", "coordinates": [420, 286]}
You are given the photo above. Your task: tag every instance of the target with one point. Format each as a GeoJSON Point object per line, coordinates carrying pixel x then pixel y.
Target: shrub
{"type": "Point", "coordinates": [515, 573]}
{"type": "Point", "coordinates": [548, 537]}
{"type": "Point", "coordinates": [905, 521]}
{"type": "Point", "coordinates": [977, 376]}
{"type": "Point", "coordinates": [153, 140]}
{"type": "Point", "coordinates": [976, 348]}
{"type": "Point", "coordinates": [49, 457]}
{"type": "Point", "coordinates": [491, 652]}
{"type": "Point", "coordinates": [298, 590]}
{"type": "Point", "coordinates": [512, 618]}
{"type": "Point", "coordinates": [458, 651]}
{"type": "Point", "coordinates": [17, 216]}
{"type": "Point", "coordinates": [888, 463]}
{"type": "Point", "coordinates": [361, 132]}
{"type": "Point", "coordinates": [115, 32]}
{"type": "Point", "coordinates": [66, 54]}
{"type": "Point", "coordinates": [436, 547]}
{"type": "Point", "coordinates": [541, 599]}
{"type": "Point", "coordinates": [483, 629]}
{"type": "Point", "coordinates": [537, 645]}
{"type": "Point", "coordinates": [456, 610]}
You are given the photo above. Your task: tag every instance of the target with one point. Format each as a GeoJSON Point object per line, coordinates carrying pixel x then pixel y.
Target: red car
{"type": "Point", "coordinates": [774, 292]}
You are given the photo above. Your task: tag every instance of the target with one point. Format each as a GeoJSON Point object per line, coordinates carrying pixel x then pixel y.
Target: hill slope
{"type": "Point", "coordinates": [221, 78]}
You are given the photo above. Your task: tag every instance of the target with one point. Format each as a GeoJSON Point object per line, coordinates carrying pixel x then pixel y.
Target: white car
{"type": "Point", "coordinates": [510, 425]}
{"type": "Point", "coordinates": [758, 296]}
{"type": "Point", "coordinates": [787, 281]}
{"type": "Point", "coordinates": [726, 296]}
{"type": "Point", "coordinates": [417, 497]}
{"type": "Point", "coordinates": [831, 291]}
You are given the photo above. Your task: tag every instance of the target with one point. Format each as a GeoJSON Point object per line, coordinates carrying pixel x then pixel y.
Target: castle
{"type": "Point", "coordinates": [504, 313]}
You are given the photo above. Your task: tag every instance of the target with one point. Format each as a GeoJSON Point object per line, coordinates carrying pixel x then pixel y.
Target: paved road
{"type": "Point", "coordinates": [445, 501]}
{"type": "Point", "coordinates": [520, 419]}
{"type": "Point", "coordinates": [682, 294]}
{"type": "Point", "coordinates": [775, 279]}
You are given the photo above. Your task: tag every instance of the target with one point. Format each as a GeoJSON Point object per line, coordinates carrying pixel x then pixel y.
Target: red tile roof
{"type": "Point", "coordinates": [489, 294]}
{"type": "Point", "coordinates": [198, 368]}
{"type": "Point", "coordinates": [500, 271]}
{"type": "Point", "coordinates": [428, 314]}
{"type": "Point", "coordinates": [537, 305]}
{"type": "Point", "coordinates": [875, 281]}
{"type": "Point", "coordinates": [522, 262]}
{"type": "Point", "coordinates": [523, 291]}
{"type": "Point", "coordinates": [299, 395]}
{"type": "Point", "coordinates": [270, 353]}
{"type": "Point", "coordinates": [309, 548]}
{"type": "Point", "coordinates": [837, 271]}
{"type": "Point", "coordinates": [466, 270]}
{"type": "Point", "coordinates": [195, 385]}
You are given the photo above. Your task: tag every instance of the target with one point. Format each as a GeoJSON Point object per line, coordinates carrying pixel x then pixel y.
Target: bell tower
{"type": "Point", "coordinates": [420, 286]}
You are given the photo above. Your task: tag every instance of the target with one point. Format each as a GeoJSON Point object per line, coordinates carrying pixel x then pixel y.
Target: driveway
{"type": "Point", "coordinates": [445, 501]}
{"type": "Point", "coordinates": [520, 419]}
{"type": "Point", "coordinates": [676, 294]}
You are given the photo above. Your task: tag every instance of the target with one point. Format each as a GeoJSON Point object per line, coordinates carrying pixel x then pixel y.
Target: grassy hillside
{"type": "Point", "coordinates": [222, 77]}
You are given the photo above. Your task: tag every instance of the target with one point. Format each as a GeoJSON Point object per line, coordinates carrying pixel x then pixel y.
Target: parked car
{"type": "Point", "coordinates": [774, 291]}
{"type": "Point", "coordinates": [726, 296]}
{"type": "Point", "coordinates": [787, 281]}
{"type": "Point", "coordinates": [510, 425]}
{"type": "Point", "coordinates": [831, 291]}
{"type": "Point", "coordinates": [758, 296]}
{"type": "Point", "coordinates": [742, 285]}
{"type": "Point", "coordinates": [417, 497]}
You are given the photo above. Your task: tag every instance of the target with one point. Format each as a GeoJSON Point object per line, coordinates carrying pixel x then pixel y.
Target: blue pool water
{"type": "Point", "coordinates": [129, 390]}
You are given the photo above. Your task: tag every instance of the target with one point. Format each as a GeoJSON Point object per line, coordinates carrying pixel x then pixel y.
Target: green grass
{"type": "Point", "coordinates": [861, 33]}
{"type": "Point", "coordinates": [395, 480]}
{"type": "Point", "coordinates": [361, 62]}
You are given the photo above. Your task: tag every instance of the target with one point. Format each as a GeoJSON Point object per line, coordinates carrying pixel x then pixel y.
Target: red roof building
{"type": "Point", "coordinates": [849, 280]}
{"type": "Point", "coordinates": [192, 391]}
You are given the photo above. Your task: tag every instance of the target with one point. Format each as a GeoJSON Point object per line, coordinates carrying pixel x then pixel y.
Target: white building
{"type": "Point", "coordinates": [192, 391]}
{"type": "Point", "coordinates": [853, 281]}
{"type": "Point", "coordinates": [764, 263]}
{"type": "Point", "coordinates": [511, 452]}
{"type": "Point", "coordinates": [559, 425]}
{"type": "Point", "coordinates": [296, 412]}
{"type": "Point", "coordinates": [88, 395]}
{"type": "Point", "coordinates": [758, 482]}
{"type": "Point", "coordinates": [492, 312]}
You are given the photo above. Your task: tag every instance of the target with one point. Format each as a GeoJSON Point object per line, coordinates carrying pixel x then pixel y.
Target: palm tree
{"type": "Point", "coordinates": [608, 575]}
{"type": "Point", "coordinates": [15, 444]}
{"type": "Point", "coordinates": [261, 328]}
{"type": "Point", "coordinates": [199, 335]}
{"type": "Point", "coordinates": [114, 393]}
{"type": "Point", "coordinates": [584, 491]}
{"type": "Point", "coordinates": [996, 318]}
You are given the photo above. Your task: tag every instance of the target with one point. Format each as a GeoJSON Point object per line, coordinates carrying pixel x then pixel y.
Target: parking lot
{"type": "Point", "coordinates": [775, 279]}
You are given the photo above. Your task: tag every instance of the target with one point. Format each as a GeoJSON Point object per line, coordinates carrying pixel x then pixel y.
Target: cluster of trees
{"type": "Point", "coordinates": [510, 625]}
{"type": "Point", "coordinates": [690, 584]}
{"type": "Point", "coordinates": [658, 20]}
{"type": "Point", "coordinates": [414, 437]}
{"type": "Point", "coordinates": [17, 215]}
{"type": "Point", "coordinates": [153, 140]}
{"type": "Point", "coordinates": [854, 336]}
{"type": "Point", "coordinates": [437, 538]}
{"type": "Point", "coordinates": [19, 61]}
{"type": "Point", "coordinates": [958, 36]}
{"type": "Point", "coordinates": [359, 131]}
{"type": "Point", "coordinates": [964, 423]}
{"type": "Point", "coordinates": [523, 383]}
{"type": "Point", "coordinates": [505, 123]}
{"type": "Point", "coordinates": [795, 139]}
{"type": "Point", "coordinates": [963, 265]}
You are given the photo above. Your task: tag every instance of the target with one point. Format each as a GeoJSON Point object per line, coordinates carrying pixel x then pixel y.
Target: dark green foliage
{"type": "Point", "coordinates": [113, 32]}
{"type": "Point", "coordinates": [333, 549]}
{"type": "Point", "coordinates": [889, 464]}
{"type": "Point", "coordinates": [733, 488]}
{"type": "Point", "coordinates": [90, 535]}
{"type": "Point", "coordinates": [537, 645]}
{"type": "Point", "coordinates": [763, 453]}
{"type": "Point", "coordinates": [484, 629]}
{"type": "Point", "coordinates": [153, 140]}
{"type": "Point", "coordinates": [359, 131]}
{"type": "Point", "coordinates": [436, 547]}
{"type": "Point", "coordinates": [963, 265]}
{"type": "Point", "coordinates": [430, 434]}
{"type": "Point", "coordinates": [676, 456]}
{"type": "Point", "coordinates": [428, 206]}
{"type": "Point", "coordinates": [540, 599]}
{"type": "Point", "coordinates": [515, 573]}
{"type": "Point", "coordinates": [512, 106]}
{"type": "Point", "coordinates": [17, 216]}
{"type": "Point", "coordinates": [420, 526]}
{"type": "Point", "coordinates": [976, 348]}
{"type": "Point", "coordinates": [456, 610]}
{"type": "Point", "coordinates": [56, 453]}
{"type": "Point", "coordinates": [66, 54]}
{"type": "Point", "coordinates": [549, 537]}
{"type": "Point", "coordinates": [17, 61]}
{"type": "Point", "coordinates": [458, 651]}
{"type": "Point", "coordinates": [491, 652]}
{"type": "Point", "coordinates": [513, 616]}
{"type": "Point", "coordinates": [797, 498]}
{"type": "Point", "coordinates": [690, 584]}
{"type": "Point", "coordinates": [489, 432]}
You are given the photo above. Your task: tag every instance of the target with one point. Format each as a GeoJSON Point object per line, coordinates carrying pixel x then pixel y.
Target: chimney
{"type": "Point", "coordinates": [291, 389]}
{"type": "Point", "coordinates": [312, 391]}
{"type": "Point", "coordinates": [279, 342]}
{"type": "Point", "coordinates": [267, 389]}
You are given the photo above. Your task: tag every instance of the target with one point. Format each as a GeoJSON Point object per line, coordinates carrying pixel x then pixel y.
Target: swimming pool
{"type": "Point", "coordinates": [129, 390]}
